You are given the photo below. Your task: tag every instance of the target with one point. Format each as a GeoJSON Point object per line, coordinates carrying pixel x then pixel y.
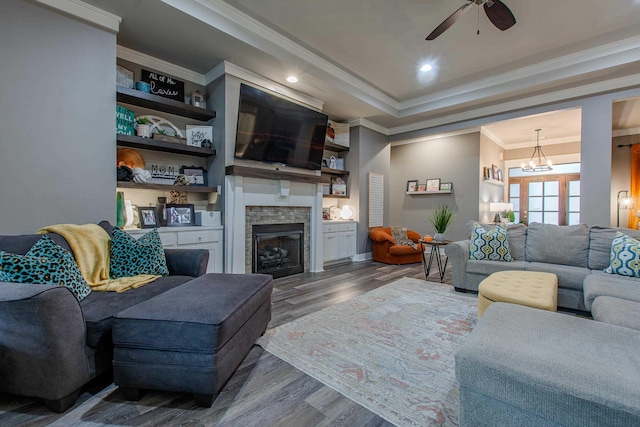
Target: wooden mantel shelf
{"type": "Point", "coordinates": [271, 174]}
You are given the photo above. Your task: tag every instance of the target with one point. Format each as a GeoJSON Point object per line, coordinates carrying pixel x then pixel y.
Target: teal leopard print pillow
{"type": "Point", "coordinates": [46, 263]}
{"type": "Point", "coordinates": [131, 257]}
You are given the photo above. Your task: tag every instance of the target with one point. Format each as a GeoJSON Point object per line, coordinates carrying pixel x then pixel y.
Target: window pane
{"type": "Point", "coordinates": [517, 215]}
{"type": "Point", "coordinates": [551, 203]}
{"type": "Point", "coordinates": [535, 204]}
{"type": "Point", "coordinates": [535, 189]}
{"type": "Point", "coordinates": [515, 201]}
{"type": "Point", "coordinates": [574, 218]}
{"type": "Point", "coordinates": [535, 217]}
{"type": "Point", "coordinates": [514, 189]}
{"type": "Point", "coordinates": [574, 188]}
{"type": "Point", "coordinates": [551, 188]}
{"type": "Point", "coordinates": [551, 218]}
{"type": "Point", "coordinates": [574, 204]}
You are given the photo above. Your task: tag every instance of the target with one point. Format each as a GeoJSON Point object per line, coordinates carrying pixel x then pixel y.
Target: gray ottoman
{"type": "Point", "coordinates": [191, 338]}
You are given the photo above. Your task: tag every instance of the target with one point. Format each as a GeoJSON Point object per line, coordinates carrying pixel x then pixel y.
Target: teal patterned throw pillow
{"type": "Point", "coordinates": [625, 256]}
{"type": "Point", "coordinates": [131, 257]}
{"type": "Point", "coordinates": [491, 245]}
{"type": "Point", "coordinates": [46, 263]}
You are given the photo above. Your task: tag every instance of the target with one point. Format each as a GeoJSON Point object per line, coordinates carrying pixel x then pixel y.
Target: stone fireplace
{"type": "Point", "coordinates": [278, 249]}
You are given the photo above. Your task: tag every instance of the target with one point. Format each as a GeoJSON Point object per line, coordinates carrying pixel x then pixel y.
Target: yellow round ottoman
{"type": "Point", "coordinates": [530, 288]}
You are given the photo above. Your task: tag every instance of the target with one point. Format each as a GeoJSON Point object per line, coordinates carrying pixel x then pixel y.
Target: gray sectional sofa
{"type": "Point", "coordinates": [51, 344]}
{"type": "Point", "coordinates": [577, 254]}
{"type": "Point", "coordinates": [527, 367]}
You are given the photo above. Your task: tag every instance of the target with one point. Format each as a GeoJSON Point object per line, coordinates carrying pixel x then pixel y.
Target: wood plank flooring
{"type": "Point", "coordinates": [264, 391]}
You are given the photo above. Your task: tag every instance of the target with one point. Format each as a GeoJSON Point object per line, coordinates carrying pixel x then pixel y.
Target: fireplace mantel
{"type": "Point", "coordinates": [271, 174]}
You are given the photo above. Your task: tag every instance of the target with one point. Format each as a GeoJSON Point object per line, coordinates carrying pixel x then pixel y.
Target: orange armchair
{"type": "Point", "coordinates": [385, 248]}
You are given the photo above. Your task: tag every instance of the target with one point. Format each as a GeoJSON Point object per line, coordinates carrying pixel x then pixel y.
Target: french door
{"type": "Point", "coordinates": [550, 199]}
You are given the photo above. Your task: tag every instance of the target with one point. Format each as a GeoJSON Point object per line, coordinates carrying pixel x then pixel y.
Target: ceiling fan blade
{"type": "Point", "coordinates": [499, 15]}
{"type": "Point", "coordinates": [448, 22]}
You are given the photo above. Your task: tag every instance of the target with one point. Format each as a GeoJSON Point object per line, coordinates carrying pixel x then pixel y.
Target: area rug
{"type": "Point", "coordinates": [390, 350]}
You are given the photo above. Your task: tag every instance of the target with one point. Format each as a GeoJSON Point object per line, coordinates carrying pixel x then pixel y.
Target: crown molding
{"type": "Point", "coordinates": [545, 142]}
{"type": "Point", "coordinates": [228, 68]}
{"type": "Point", "coordinates": [85, 12]}
{"type": "Point", "coordinates": [369, 125]}
{"type": "Point", "coordinates": [486, 132]}
{"type": "Point", "coordinates": [159, 65]}
{"type": "Point", "coordinates": [437, 136]}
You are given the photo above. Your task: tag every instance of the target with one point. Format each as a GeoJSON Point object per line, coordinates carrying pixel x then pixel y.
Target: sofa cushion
{"type": "Point", "coordinates": [131, 257]}
{"type": "Point", "coordinates": [625, 256]}
{"type": "Point", "coordinates": [569, 276]}
{"type": "Point", "coordinates": [616, 311]}
{"type": "Point", "coordinates": [600, 239]}
{"type": "Point", "coordinates": [491, 245]}
{"type": "Point", "coordinates": [100, 307]}
{"type": "Point", "coordinates": [487, 267]}
{"type": "Point", "coordinates": [556, 244]}
{"type": "Point", "coordinates": [599, 283]}
{"type": "Point", "coordinates": [46, 263]}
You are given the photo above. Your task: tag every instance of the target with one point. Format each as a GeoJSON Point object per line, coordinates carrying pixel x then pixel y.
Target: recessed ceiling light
{"type": "Point", "coordinates": [426, 67]}
{"type": "Point", "coordinates": [292, 79]}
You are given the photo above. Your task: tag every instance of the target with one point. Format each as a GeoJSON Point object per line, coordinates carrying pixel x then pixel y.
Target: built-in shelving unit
{"type": "Point", "coordinates": [327, 173]}
{"type": "Point", "coordinates": [165, 105]}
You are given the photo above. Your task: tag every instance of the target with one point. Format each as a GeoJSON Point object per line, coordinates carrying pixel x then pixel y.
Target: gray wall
{"type": "Point", "coordinates": [369, 152]}
{"type": "Point", "coordinates": [57, 120]}
{"type": "Point", "coordinates": [453, 159]}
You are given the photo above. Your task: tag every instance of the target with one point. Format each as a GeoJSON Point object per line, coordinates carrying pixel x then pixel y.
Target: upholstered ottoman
{"type": "Point", "coordinates": [191, 338]}
{"type": "Point", "coordinates": [530, 288]}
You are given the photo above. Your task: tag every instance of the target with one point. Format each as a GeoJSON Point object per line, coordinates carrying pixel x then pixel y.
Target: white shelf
{"type": "Point", "coordinates": [421, 193]}
{"type": "Point", "coordinates": [494, 182]}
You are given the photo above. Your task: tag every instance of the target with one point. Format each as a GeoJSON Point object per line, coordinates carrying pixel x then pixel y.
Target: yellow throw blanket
{"type": "Point", "coordinates": [90, 245]}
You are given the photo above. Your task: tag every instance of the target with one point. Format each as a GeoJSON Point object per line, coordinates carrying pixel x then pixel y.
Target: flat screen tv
{"type": "Point", "coordinates": [274, 130]}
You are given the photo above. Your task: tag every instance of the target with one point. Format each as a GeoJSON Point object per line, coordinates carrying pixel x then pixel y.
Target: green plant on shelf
{"type": "Point", "coordinates": [142, 120]}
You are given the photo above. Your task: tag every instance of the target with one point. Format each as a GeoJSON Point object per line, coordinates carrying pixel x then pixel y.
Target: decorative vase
{"type": "Point", "coordinates": [161, 207]}
{"type": "Point", "coordinates": [121, 210]}
{"type": "Point", "coordinates": [439, 237]}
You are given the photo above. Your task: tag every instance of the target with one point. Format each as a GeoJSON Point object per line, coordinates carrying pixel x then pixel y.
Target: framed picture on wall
{"type": "Point", "coordinates": [412, 185]}
{"type": "Point", "coordinates": [433, 184]}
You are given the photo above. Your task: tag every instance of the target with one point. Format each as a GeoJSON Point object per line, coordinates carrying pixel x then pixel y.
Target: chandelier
{"type": "Point", "coordinates": [536, 163]}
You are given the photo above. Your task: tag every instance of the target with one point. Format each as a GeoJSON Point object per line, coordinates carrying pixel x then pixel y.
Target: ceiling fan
{"type": "Point", "coordinates": [497, 12]}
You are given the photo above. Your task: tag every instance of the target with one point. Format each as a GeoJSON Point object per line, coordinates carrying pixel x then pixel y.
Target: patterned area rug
{"type": "Point", "coordinates": [391, 349]}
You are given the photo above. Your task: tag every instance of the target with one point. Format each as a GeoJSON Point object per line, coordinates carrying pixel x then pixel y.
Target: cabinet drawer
{"type": "Point", "coordinates": [330, 228]}
{"type": "Point", "coordinates": [351, 226]}
{"type": "Point", "coordinates": [168, 239]}
{"type": "Point", "coordinates": [190, 237]}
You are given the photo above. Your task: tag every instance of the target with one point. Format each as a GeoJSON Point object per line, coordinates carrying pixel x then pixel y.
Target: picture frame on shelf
{"type": "Point", "coordinates": [433, 184]}
{"type": "Point", "coordinates": [199, 136]}
{"type": "Point", "coordinates": [148, 217]}
{"type": "Point", "coordinates": [124, 77]}
{"type": "Point", "coordinates": [448, 186]}
{"type": "Point", "coordinates": [412, 185]}
{"type": "Point", "coordinates": [180, 215]}
{"type": "Point", "coordinates": [499, 175]}
{"type": "Point", "coordinates": [494, 172]}
{"type": "Point", "coordinates": [422, 187]}
{"type": "Point", "coordinates": [197, 175]}
{"type": "Point", "coordinates": [338, 186]}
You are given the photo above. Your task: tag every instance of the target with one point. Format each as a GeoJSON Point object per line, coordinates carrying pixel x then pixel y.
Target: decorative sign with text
{"type": "Point", "coordinates": [164, 85]}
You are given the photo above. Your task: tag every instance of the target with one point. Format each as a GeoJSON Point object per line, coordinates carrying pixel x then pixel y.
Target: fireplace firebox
{"type": "Point", "coordinates": [278, 249]}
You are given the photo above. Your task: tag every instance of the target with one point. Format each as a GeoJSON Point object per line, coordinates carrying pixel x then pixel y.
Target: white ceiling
{"type": "Point", "coordinates": [361, 57]}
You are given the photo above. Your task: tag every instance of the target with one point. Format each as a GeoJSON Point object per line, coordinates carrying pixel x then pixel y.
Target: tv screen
{"type": "Point", "coordinates": [274, 130]}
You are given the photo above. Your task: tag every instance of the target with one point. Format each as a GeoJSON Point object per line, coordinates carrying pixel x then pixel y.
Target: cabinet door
{"type": "Point", "coordinates": [347, 244]}
{"type": "Point", "coordinates": [330, 246]}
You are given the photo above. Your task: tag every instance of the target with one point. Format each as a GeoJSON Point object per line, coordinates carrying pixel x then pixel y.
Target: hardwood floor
{"type": "Point", "coordinates": [263, 391]}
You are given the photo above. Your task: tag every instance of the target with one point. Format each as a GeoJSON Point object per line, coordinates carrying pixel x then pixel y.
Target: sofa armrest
{"type": "Point", "coordinates": [42, 341]}
{"type": "Point", "coordinates": [413, 235]}
{"type": "Point", "coordinates": [458, 253]}
{"type": "Point", "coordinates": [378, 235]}
{"type": "Point", "coordinates": [187, 262]}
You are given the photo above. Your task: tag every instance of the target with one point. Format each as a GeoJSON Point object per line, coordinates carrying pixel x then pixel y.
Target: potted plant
{"type": "Point", "coordinates": [143, 128]}
{"type": "Point", "coordinates": [507, 216]}
{"type": "Point", "coordinates": [440, 218]}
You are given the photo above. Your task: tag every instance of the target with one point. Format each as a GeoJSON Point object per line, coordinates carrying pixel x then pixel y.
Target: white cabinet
{"type": "Point", "coordinates": [209, 238]}
{"type": "Point", "coordinates": [338, 240]}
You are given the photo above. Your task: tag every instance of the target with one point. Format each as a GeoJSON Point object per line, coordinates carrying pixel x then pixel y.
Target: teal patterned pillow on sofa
{"type": "Point", "coordinates": [625, 256]}
{"type": "Point", "coordinates": [491, 245]}
{"type": "Point", "coordinates": [46, 263]}
{"type": "Point", "coordinates": [131, 257]}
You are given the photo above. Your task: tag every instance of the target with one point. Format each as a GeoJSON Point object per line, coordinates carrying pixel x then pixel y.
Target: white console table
{"type": "Point", "coordinates": [209, 238]}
